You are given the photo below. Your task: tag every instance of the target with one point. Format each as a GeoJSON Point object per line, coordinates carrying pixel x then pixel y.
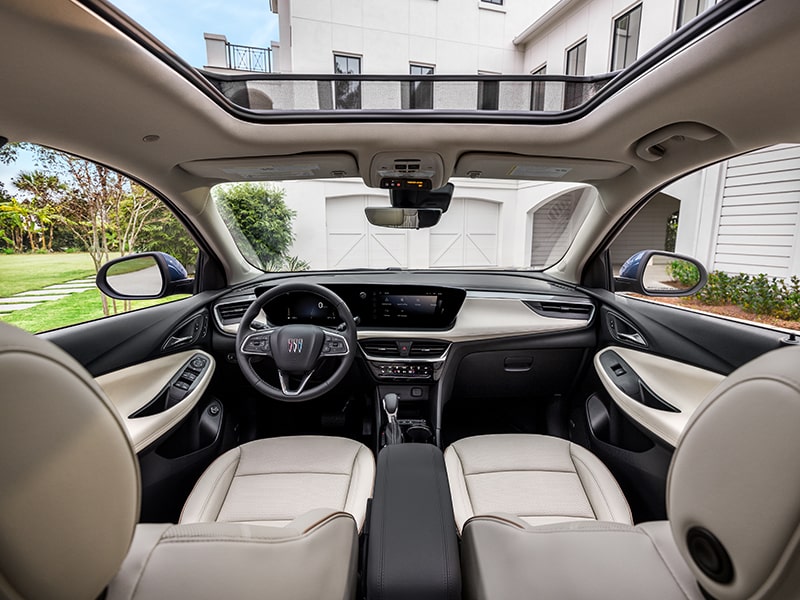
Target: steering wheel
{"type": "Point", "coordinates": [296, 349]}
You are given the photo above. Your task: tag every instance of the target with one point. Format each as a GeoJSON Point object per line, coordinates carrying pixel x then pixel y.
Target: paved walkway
{"type": "Point", "coordinates": [57, 291]}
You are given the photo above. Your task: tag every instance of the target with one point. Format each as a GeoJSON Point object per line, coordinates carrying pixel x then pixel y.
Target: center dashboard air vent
{"type": "Point", "coordinates": [416, 349]}
{"type": "Point", "coordinates": [381, 348]}
{"type": "Point", "coordinates": [426, 349]}
{"type": "Point", "coordinates": [559, 309]}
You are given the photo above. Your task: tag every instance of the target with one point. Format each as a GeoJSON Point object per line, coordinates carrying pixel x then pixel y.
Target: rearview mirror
{"type": "Point", "coordinates": [403, 218]}
{"type": "Point", "coordinates": [143, 276]}
{"type": "Point", "coordinates": [660, 273]}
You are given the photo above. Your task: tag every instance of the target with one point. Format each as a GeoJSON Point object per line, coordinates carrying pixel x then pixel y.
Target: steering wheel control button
{"type": "Point", "coordinates": [258, 343]}
{"type": "Point", "coordinates": [334, 345]}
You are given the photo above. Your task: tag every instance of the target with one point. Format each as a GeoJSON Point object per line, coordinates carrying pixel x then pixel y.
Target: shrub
{"type": "Point", "coordinates": [757, 294]}
{"type": "Point", "coordinates": [717, 290]}
{"type": "Point", "coordinates": [684, 272]}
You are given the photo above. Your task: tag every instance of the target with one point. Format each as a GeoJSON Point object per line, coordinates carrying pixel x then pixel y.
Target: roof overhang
{"type": "Point", "coordinates": [547, 19]}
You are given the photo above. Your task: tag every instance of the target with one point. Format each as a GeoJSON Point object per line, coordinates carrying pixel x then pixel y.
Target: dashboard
{"type": "Point", "coordinates": [452, 307]}
{"type": "Point", "coordinates": [412, 324]}
{"type": "Point", "coordinates": [414, 307]}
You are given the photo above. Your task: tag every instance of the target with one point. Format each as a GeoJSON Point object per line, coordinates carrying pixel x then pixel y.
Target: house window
{"type": "Point", "coordinates": [626, 38]}
{"type": "Point", "coordinates": [537, 89]}
{"type": "Point", "coordinates": [348, 93]}
{"type": "Point", "coordinates": [420, 93]}
{"type": "Point", "coordinates": [576, 59]}
{"type": "Point", "coordinates": [488, 93]}
{"type": "Point", "coordinates": [576, 65]}
{"type": "Point", "coordinates": [689, 9]}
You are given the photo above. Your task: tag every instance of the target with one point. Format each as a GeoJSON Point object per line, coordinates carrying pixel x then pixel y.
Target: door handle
{"type": "Point", "coordinates": [636, 338]}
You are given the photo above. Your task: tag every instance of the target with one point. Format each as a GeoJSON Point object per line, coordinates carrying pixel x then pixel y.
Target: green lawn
{"type": "Point", "coordinates": [24, 272]}
{"type": "Point", "coordinates": [76, 308]}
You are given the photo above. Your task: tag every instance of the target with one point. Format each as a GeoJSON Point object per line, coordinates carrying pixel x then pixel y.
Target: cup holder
{"type": "Point", "coordinates": [418, 434]}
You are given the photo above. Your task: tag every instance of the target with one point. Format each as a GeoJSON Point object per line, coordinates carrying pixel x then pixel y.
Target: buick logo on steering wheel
{"type": "Point", "coordinates": [295, 345]}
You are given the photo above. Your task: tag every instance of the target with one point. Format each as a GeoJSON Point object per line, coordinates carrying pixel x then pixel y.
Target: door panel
{"type": "Point", "coordinates": [155, 396]}
{"type": "Point", "coordinates": [679, 355]}
{"type": "Point", "coordinates": [708, 342]}
{"type": "Point", "coordinates": [659, 394]}
{"type": "Point", "coordinates": [139, 358]}
{"type": "Point", "coordinates": [131, 338]}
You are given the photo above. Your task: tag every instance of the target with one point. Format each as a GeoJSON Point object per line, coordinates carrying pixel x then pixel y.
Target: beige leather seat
{"type": "Point", "coordinates": [539, 479]}
{"type": "Point", "coordinates": [733, 500]}
{"type": "Point", "coordinates": [273, 481]}
{"type": "Point", "coordinates": [69, 502]}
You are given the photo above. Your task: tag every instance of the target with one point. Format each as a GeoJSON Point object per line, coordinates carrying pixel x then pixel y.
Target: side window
{"type": "Point", "coordinates": [740, 218]}
{"type": "Point", "coordinates": [61, 219]}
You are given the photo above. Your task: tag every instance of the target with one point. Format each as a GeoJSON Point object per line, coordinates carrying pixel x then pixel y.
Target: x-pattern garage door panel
{"type": "Point", "coordinates": [354, 243]}
{"type": "Point", "coordinates": [466, 235]}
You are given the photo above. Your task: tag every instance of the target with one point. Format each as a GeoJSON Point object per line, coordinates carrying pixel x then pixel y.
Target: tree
{"type": "Point", "coordinates": [11, 231]}
{"type": "Point", "coordinates": [132, 212]}
{"type": "Point", "coordinates": [43, 193]}
{"type": "Point", "coordinates": [259, 220]}
{"type": "Point", "coordinates": [163, 232]}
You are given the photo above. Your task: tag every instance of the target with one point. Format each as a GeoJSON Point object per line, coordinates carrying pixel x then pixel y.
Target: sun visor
{"type": "Point", "coordinates": [276, 168]}
{"type": "Point", "coordinates": [514, 166]}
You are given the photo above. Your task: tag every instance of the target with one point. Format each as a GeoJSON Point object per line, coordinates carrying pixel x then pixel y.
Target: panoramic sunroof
{"type": "Point", "coordinates": [503, 93]}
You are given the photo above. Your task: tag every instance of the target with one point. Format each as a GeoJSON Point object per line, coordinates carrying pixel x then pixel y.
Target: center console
{"type": "Point", "coordinates": [409, 369]}
{"type": "Point", "coordinates": [412, 544]}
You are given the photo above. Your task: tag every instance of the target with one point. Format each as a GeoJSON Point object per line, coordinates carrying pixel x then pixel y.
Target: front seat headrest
{"type": "Point", "coordinates": [69, 479]}
{"type": "Point", "coordinates": [733, 492]}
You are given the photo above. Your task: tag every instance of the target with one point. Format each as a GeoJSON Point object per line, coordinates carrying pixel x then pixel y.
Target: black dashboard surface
{"type": "Point", "coordinates": [418, 307]}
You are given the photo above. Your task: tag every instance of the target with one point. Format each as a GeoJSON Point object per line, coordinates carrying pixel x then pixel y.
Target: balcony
{"type": "Point", "coordinates": [223, 56]}
{"type": "Point", "coordinates": [248, 58]}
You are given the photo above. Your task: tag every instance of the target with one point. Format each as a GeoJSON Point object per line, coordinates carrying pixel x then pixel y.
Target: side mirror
{"type": "Point", "coordinates": [143, 276]}
{"type": "Point", "coordinates": [660, 273]}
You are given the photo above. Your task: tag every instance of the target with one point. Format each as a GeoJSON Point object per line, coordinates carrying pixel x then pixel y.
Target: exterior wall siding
{"type": "Point", "coordinates": [759, 217]}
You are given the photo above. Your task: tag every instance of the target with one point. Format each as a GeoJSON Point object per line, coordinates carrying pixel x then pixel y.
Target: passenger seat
{"type": "Point", "coordinates": [539, 479]}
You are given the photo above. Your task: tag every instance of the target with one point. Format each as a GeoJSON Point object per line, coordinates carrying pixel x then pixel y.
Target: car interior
{"type": "Point", "coordinates": [398, 433]}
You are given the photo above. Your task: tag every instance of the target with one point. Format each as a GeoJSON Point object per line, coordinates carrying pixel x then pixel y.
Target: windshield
{"type": "Point", "coordinates": [321, 225]}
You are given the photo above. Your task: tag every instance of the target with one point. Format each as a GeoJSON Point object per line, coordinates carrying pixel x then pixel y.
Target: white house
{"type": "Point", "coordinates": [747, 219]}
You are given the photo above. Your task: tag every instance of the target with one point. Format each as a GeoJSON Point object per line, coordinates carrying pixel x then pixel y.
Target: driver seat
{"type": "Point", "coordinates": [273, 481]}
{"type": "Point", "coordinates": [70, 492]}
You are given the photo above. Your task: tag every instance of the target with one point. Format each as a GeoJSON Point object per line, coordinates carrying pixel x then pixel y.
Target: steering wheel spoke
{"type": "Point", "coordinates": [285, 380]}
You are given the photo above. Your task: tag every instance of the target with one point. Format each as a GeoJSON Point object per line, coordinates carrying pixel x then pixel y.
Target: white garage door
{"type": "Point", "coordinates": [466, 235]}
{"type": "Point", "coordinates": [354, 243]}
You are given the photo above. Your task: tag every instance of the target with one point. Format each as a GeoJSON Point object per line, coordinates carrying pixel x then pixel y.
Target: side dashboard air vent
{"type": "Point", "coordinates": [561, 310]}
{"type": "Point", "coordinates": [232, 312]}
{"type": "Point", "coordinates": [381, 348]}
{"type": "Point", "coordinates": [427, 349]}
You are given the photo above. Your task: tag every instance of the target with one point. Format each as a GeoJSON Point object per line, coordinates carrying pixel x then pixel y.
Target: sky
{"type": "Point", "coordinates": [180, 24]}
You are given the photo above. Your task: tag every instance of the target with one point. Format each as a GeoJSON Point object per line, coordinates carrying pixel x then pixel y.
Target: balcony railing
{"type": "Point", "coordinates": [249, 58]}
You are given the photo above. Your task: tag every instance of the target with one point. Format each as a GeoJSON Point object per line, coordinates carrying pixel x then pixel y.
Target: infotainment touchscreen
{"type": "Point", "coordinates": [400, 306]}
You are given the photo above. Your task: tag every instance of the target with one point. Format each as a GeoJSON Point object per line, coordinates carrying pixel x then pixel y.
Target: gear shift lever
{"type": "Point", "coordinates": [392, 434]}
